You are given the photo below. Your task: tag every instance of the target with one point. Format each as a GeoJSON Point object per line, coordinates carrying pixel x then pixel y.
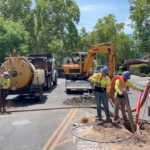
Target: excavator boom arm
{"type": "Point", "coordinates": [98, 49]}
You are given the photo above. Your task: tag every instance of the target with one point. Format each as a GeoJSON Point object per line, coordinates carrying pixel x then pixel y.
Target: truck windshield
{"type": "Point", "coordinates": [75, 58]}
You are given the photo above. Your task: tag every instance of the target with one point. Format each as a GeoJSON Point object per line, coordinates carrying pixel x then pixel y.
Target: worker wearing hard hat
{"type": "Point", "coordinates": [101, 89]}
{"type": "Point", "coordinates": [5, 83]}
{"type": "Point", "coordinates": [119, 97]}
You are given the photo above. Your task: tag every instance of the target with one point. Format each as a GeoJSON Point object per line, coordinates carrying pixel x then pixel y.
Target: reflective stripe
{"type": "Point", "coordinates": [109, 84]}
{"type": "Point", "coordinates": [98, 77]}
{"type": "Point", "coordinates": [106, 78]}
{"type": "Point", "coordinates": [131, 85]}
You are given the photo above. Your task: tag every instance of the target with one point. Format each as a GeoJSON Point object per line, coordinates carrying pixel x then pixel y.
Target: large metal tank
{"type": "Point", "coordinates": [21, 71]}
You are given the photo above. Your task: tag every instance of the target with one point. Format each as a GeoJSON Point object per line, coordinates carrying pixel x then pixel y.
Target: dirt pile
{"type": "Point", "coordinates": [81, 101]}
{"type": "Point", "coordinates": [84, 120]}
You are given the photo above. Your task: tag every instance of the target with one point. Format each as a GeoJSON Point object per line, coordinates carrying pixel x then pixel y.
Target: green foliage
{"type": "Point", "coordinates": [12, 36]}
{"type": "Point", "coordinates": [51, 25]}
{"type": "Point", "coordinates": [15, 9]}
{"type": "Point", "coordinates": [122, 68]}
{"type": "Point", "coordinates": [139, 14]}
{"type": "Point", "coordinates": [142, 70]}
{"type": "Point", "coordinates": [105, 30]}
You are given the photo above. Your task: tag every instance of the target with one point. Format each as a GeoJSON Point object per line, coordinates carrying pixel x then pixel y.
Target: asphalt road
{"type": "Point", "coordinates": [49, 129]}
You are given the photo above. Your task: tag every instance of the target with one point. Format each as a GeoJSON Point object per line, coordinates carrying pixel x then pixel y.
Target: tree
{"type": "Point", "coordinates": [139, 14]}
{"type": "Point", "coordinates": [12, 36]}
{"type": "Point", "coordinates": [20, 11]}
{"type": "Point", "coordinates": [50, 20]}
{"type": "Point", "coordinates": [124, 48]}
{"type": "Point", "coordinates": [106, 29]}
{"type": "Point", "coordinates": [56, 19]}
{"type": "Point", "coordinates": [15, 9]}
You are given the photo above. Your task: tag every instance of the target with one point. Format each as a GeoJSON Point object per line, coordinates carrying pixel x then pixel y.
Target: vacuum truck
{"type": "Point", "coordinates": [24, 77]}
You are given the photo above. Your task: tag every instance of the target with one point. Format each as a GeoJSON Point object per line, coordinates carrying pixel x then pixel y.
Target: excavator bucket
{"type": "Point", "coordinates": [79, 85]}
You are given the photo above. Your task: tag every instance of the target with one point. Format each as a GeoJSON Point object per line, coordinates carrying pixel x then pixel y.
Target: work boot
{"type": "Point", "coordinates": [98, 119]}
{"type": "Point", "coordinates": [108, 119]}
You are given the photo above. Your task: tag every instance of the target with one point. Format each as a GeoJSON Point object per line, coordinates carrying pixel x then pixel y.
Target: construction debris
{"type": "Point", "coordinates": [82, 101]}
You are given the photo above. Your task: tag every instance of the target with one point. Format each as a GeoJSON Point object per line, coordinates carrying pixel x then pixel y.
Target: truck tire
{"type": "Point", "coordinates": [68, 91]}
{"type": "Point", "coordinates": [50, 80]}
{"type": "Point", "coordinates": [55, 82]}
{"type": "Point", "coordinates": [48, 84]}
{"type": "Point", "coordinates": [39, 98]}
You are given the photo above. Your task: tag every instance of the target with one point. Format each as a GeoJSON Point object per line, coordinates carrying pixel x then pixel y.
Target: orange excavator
{"type": "Point", "coordinates": [82, 66]}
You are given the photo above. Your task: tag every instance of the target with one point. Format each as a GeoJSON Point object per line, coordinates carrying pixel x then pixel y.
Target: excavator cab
{"type": "Point", "coordinates": [75, 68]}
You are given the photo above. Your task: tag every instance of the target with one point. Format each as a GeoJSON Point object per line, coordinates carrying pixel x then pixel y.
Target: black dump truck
{"type": "Point", "coordinates": [46, 62]}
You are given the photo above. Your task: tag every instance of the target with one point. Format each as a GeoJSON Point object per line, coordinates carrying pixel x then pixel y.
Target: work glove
{"type": "Point", "coordinates": [97, 83]}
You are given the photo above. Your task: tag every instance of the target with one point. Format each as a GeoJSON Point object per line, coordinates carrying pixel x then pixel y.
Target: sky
{"type": "Point", "coordinates": [92, 10]}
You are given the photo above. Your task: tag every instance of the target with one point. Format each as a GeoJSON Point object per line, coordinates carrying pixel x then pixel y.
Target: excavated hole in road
{"type": "Point", "coordinates": [114, 132]}
{"type": "Point", "coordinates": [110, 131]}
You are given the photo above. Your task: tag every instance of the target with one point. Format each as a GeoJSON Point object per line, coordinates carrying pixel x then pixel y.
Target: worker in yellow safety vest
{"type": "Point", "coordinates": [119, 97]}
{"type": "Point", "coordinates": [101, 89]}
{"type": "Point", "coordinates": [4, 84]}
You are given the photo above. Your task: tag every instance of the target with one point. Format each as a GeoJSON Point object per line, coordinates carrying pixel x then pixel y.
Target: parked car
{"type": "Point", "coordinates": [98, 68]}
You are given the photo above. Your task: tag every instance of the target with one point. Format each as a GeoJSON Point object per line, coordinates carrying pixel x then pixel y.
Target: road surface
{"type": "Point", "coordinates": [48, 129]}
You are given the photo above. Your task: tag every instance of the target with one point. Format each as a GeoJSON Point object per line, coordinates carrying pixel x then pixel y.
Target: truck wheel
{"type": "Point", "coordinates": [55, 82]}
{"type": "Point", "coordinates": [47, 84]}
{"type": "Point", "coordinates": [50, 82]}
{"type": "Point", "coordinates": [68, 91]}
{"type": "Point", "coordinates": [39, 98]}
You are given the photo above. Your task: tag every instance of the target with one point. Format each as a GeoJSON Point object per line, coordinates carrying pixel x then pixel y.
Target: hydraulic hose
{"type": "Point", "coordinates": [123, 86]}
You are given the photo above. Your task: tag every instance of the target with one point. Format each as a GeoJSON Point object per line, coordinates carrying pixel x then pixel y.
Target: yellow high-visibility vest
{"type": "Point", "coordinates": [104, 81]}
{"type": "Point", "coordinates": [127, 84]}
{"type": "Point", "coordinates": [5, 83]}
